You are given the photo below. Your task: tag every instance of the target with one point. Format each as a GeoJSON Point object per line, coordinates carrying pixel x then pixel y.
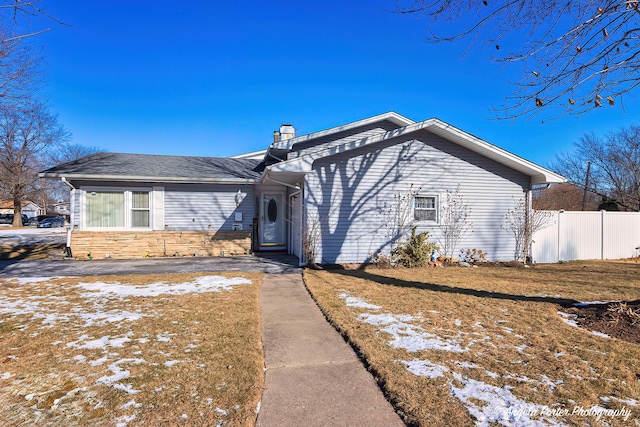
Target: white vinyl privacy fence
{"type": "Point", "coordinates": [587, 235]}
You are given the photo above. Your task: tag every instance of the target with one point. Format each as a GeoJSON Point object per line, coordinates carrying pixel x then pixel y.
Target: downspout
{"type": "Point", "coordinates": [72, 199]}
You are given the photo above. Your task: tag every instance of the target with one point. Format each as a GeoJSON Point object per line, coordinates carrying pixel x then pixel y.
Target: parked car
{"type": "Point", "coordinates": [51, 222]}
{"type": "Point", "coordinates": [8, 219]}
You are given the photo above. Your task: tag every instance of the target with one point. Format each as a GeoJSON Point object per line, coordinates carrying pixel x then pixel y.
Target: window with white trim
{"type": "Point", "coordinates": [117, 209]}
{"type": "Point", "coordinates": [425, 208]}
{"type": "Point", "coordinates": [140, 209]}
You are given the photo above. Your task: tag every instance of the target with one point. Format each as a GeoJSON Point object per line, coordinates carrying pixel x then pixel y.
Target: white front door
{"type": "Point", "coordinates": [272, 218]}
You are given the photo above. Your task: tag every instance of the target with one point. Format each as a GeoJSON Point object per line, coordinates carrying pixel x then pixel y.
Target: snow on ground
{"type": "Point", "coordinates": [498, 405]}
{"type": "Point", "coordinates": [569, 319]}
{"type": "Point", "coordinates": [357, 302]}
{"type": "Point", "coordinates": [409, 336]}
{"type": "Point", "coordinates": [44, 312]}
{"type": "Point", "coordinates": [424, 368]}
{"type": "Point", "coordinates": [201, 284]}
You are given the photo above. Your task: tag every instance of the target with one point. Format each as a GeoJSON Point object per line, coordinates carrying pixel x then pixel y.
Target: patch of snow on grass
{"type": "Point", "coordinates": [600, 334]}
{"type": "Point", "coordinates": [162, 338]}
{"type": "Point", "coordinates": [408, 336]}
{"type": "Point", "coordinates": [130, 404]}
{"type": "Point", "coordinates": [5, 376]}
{"type": "Point", "coordinates": [119, 374]}
{"type": "Point", "coordinates": [466, 365]}
{"type": "Point", "coordinates": [103, 342]}
{"type": "Point", "coordinates": [170, 363]}
{"type": "Point", "coordinates": [568, 319]}
{"type": "Point", "coordinates": [424, 368]}
{"type": "Point", "coordinates": [357, 302]}
{"type": "Point", "coordinates": [502, 407]}
{"type": "Point", "coordinates": [101, 318]}
{"type": "Point", "coordinates": [221, 411]}
{"type": "Point", "coordinates": [630, 402]}
{"type": "Point", "coordinates": [28, 280]}
{"type": "Point", "coordinates": [199, 285]}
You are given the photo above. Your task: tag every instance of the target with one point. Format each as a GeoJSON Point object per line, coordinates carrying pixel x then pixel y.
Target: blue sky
{"type": "Point", "coordinates": [217, 78]}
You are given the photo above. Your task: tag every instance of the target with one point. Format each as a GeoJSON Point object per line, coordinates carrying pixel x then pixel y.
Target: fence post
{"type": "Point", "coordinates": [602, 234]}
{"type": "Point", "coordinates": [560, 212]}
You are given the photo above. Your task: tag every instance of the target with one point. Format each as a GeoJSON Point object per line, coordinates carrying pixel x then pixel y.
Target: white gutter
{"type": "Point", "coordinates": [133, 178]}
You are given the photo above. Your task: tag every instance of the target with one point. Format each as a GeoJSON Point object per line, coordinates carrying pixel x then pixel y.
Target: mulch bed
{"type": "Point", "coordinates": [620, 319]}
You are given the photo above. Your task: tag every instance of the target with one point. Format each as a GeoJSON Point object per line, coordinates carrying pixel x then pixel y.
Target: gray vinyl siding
{"type": "Point", "coordinates": [198, 206]}
{"type": "Point", "coordinates": [74, 205]}
{"type": "Point", "coordinates": [191, 206]}
{"type": "Point", "coordinates": [350, 194]}
{"type": "Point", "coordinates": [333, 140]}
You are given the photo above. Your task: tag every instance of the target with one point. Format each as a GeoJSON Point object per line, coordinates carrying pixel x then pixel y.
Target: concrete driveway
{"type": "Point", "coordinates": [268, 263]}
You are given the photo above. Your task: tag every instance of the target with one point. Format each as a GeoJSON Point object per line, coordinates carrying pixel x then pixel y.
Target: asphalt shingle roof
{"type": "Point", "coordinates": [157, 166]}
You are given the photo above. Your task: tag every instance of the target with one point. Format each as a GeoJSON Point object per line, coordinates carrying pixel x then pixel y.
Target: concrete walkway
{"type": "Point", "coordinates": [313, 377]}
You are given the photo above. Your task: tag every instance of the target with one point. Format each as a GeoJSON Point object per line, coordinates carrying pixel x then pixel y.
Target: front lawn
{"type": "Point", "coordinates": [490, 345]}
{"type": "Point", "coordinates": [180, 349]}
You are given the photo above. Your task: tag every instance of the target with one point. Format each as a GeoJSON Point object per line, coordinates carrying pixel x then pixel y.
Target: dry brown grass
{"type": "Point", "coordinates": [193, 359]}
{"type": "Point", "coordinates": [506, 319]}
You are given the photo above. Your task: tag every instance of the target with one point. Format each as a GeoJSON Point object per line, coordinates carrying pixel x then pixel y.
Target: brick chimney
{"type": "Point", "coordinates": [285, 132]}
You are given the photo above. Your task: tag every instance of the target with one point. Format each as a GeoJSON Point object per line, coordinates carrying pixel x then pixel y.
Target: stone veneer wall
{"type": "Point", "coordinates": [141, 244]}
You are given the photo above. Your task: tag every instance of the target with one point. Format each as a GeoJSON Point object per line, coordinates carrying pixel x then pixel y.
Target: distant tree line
{"type": "Point", "coordinates": [605, 169]}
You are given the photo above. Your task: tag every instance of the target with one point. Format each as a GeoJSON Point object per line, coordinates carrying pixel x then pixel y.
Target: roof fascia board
{"type": "Point", "coordinates": [539, 174]}
{"type": "Point", "coordinates": [89, 177]}
{"type": "Point", "coordinates": [499, 155]}
{"type": "Point", "coordinates": [249, 155]}
{"type": "Point", "coordinates": [391, 116]}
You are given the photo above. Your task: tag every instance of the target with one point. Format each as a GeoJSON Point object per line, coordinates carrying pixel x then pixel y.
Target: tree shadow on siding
{"type": "Point", "coordinates": [349, 192]}
{"type": "Point", "coordinates": [434, 287]}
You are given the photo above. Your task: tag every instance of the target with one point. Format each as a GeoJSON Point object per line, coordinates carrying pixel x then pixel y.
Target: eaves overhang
{"type": "Point", "coordinates": [159, 179]}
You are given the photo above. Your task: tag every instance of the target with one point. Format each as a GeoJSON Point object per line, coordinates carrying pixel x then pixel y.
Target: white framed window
{"type": "Point", "coordinates": [425, 208]}
{"type": "Point", "coordinates": [117, 208]}
{"type": "Point", "coordinates": [140, 217]}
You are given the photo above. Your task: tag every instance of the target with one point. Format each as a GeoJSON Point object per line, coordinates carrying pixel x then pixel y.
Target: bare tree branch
{"type": "Point", "coordinates": [579, 54]}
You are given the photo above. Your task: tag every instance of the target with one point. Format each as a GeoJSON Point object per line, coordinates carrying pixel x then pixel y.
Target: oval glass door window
{"type": "Point", "coordinates": [272, 211]}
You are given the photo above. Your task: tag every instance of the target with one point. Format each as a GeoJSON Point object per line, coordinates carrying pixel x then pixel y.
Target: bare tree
{"type": "Point", "coordinates": [578, 54]}
{"type": "Point", "coordinates": [25, 133]}
{"type": "Point", "coordinates": [20, 71]}
{"type": "Point", "coordinates": [523, 222]}
{"type": "Point", "coordinates": [50, 191]}
{"type": "Point", "coordinates": [615, 165]}
{"type": "Point", "coordinates": [20, 14]}
{"type": "Point", "coordinates": [566, 196]}
{"type": "Point", "coordinates": [398, 213]}
{"type": "Point", "coordinates": [454, 222]}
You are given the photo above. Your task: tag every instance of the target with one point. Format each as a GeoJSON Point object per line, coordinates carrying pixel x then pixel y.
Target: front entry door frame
{"type": "Point", "coordinates": [273, 234]}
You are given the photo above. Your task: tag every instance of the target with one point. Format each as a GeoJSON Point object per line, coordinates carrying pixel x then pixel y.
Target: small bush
{"type": "Point", "coordinates": [380, 260]}
{"type": "Point", "coordinates": [416, 252]}
{"type": "Point", "coordinates": [473, 256]}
